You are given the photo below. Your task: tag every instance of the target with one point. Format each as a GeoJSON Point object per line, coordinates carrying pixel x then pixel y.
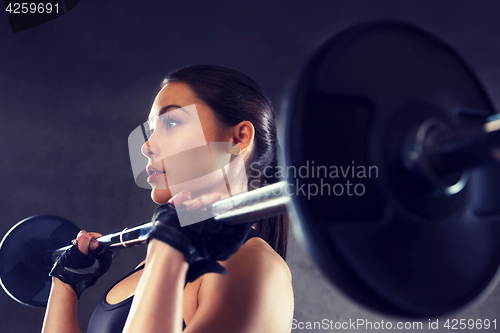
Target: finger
{"type": "Point", "coordinates": [94, 242]}
{"type": "Point", "coordinates": [209, 199]}
{"type": "Point", "coordinates": [203, 201]}
{"type": "Point", "coordinates": [179, 198]}
{"type": "Point", "coordinates": [83, 241]}
{"type": "Point", "coordinates": [87, 241]}
{"type": "Point", "coordinates": [94, 234]}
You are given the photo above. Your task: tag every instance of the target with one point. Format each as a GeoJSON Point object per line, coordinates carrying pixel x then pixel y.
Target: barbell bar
{"type": "Point", "coordinates": [422, 238]}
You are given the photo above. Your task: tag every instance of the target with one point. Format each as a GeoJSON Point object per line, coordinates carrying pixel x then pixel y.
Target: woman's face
{"type": "Point", "coordinates": [177, 149]}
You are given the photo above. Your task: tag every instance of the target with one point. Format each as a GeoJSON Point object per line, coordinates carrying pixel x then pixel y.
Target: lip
{"type": "Point", "coordinates": [153, 174]}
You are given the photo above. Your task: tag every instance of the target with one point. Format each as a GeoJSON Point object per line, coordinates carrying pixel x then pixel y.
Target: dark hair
{"type": "Point", "coordinates": [234, 97]}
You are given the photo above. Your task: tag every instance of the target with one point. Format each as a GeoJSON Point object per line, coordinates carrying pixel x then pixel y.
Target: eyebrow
{"type": "Point", "coordinates": [165, 109]}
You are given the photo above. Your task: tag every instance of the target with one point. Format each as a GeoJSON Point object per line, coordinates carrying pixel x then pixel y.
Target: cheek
{"type": "Point", "coordinates": [214, 134]}
{"type": "Point", "coordinates": [188, 165]}
{"type": "Point", "coordinates": [181, 139]}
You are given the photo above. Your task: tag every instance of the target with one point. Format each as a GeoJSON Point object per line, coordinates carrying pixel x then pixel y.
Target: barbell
{"type": "Point", "coordinates": [29, 249]}
{"type": "Point", "coordinates": [390, 175]}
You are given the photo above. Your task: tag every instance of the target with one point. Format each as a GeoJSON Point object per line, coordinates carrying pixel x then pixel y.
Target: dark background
{"type": "Point", "coordinates": [71, 91]}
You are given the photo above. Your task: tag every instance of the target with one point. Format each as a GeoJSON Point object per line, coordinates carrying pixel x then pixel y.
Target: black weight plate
{"type": "Point", "coordinates": [25, 256]}
{"type": "Point", "coordinates": [393, 249]}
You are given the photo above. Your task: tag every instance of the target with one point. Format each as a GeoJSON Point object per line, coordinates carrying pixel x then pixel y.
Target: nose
{"type": "Point", "coordinates": [150, 149]}
{"type": "Point", "coordinates": [146, 150]}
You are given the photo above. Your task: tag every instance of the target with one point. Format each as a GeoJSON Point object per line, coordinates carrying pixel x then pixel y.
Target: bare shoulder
{"type": "Point", "coordinates": [256, 255]}
{"type": "Point", "coordinates": [256, 265]}
{"type": "Point", "coordinates": [254, 296]}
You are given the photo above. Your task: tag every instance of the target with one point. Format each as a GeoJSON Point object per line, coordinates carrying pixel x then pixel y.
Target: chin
{"type": "Point", "coordinates": [160, 196]}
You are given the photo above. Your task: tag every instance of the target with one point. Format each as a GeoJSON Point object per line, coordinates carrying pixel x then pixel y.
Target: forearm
{"type": "Point", "coordinates": [157, 301]}
{"type": "Point", "coordinates": [61, 313]}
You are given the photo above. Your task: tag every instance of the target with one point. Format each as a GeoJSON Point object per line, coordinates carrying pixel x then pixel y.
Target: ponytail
{"type": "Point", "coordinates": [275, 229]}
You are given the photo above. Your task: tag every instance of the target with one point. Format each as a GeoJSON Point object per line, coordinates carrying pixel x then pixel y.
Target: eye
{"type": "Point", "coordinates": [170, 122]}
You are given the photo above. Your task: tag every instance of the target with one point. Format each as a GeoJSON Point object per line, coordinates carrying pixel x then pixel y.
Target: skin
{"type": "Point", "coordinates": [177, 131]}
{"type": "Point", "coordinates": [254, 296]}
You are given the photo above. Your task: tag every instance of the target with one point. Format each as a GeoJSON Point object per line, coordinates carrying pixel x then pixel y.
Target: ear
{"type": "Point", "coordinates": [243, 134]}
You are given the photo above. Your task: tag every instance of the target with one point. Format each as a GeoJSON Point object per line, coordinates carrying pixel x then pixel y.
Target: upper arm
{"type": "Point", "coordinates": [254, 296]}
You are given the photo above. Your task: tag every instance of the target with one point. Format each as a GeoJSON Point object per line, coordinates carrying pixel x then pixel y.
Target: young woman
{"type": "Point", "coordinates": [255, 294]}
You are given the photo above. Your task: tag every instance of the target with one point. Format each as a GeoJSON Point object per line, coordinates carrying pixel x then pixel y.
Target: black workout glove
{"type": "Point", "coordinates": [202, 243]}
{"type": "Point", "coordinates": [79, 270]}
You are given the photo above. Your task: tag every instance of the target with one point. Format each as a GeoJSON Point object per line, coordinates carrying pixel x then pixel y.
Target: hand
{"type": "Point", "coordinates": [202, 243]}
{"type": "Point", "coordinates": [79, 268]}
{"type": "Point", "coordinates": [201, 203]}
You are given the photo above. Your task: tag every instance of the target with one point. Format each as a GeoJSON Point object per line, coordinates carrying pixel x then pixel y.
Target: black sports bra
{"type": "Point", "coordinates": [110, 318]}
